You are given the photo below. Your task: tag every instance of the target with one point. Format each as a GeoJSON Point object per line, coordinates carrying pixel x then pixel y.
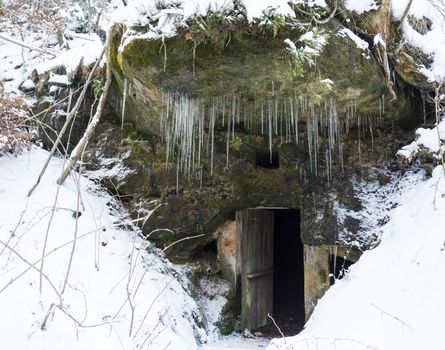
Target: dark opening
{"type": "Point", "coordinates": [288, 282]}
{"type": "Point", "coordinates": [239, 126]}
{"type": "Point", "coordinates": [211, 247]}
{"type": "Point", "coordinates": [263, 159]}
{"type": "Point", "coordinates": [338, 268]}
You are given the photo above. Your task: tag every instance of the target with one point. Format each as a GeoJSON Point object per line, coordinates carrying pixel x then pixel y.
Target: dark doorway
{"type": "Point", "coordinates": [289, 271]}
{"type": "Point", "coordinates": [288, 279]}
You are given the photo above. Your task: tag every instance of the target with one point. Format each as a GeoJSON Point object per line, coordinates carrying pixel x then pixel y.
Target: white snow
{"type": "Point", "coordinates": [392, 298]}
{"type": "Point", "coordinates": [57, 79]}
{"type": "Point", "coordinates": [378, 204]}
{"type": "Point", "coordinates": [425, 139]}
{"type": "Point", "coordinates": [28, 85]}
{"type": "Point", "coordinates": [93, 312]}
{"type": "Point", "coordinates": [361, 6]}
{"type": "Point", "coordinates": [431, 43]}
{"type": "Point", "coordinates": [212, 299]}
{"type": "Point", "coordinates": [378, 40]}
{"type": "Point", "coordinates": [361, 44]}
{"type": "Point", "coordinates": [255, 8]}
{"type": "Point", "coordinates": [237, 342]}
{"type": "Point", "coordinates": [86, 51]}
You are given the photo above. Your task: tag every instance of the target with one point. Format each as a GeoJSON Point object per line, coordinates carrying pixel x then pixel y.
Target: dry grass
{"type": "Point", "coordinates": [38, 15]}
{"type": "Point", "coordinates": [15, 126]}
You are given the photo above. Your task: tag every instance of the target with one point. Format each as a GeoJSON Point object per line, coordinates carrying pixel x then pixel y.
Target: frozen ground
{"type": "Point", "coordinates": [391, 299]}
{"type": "Point", "coordinates": [97, 286]}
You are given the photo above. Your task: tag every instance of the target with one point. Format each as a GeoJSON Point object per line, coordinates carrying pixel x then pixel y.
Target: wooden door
{"type": "Point", "coordinates": [256, 230]}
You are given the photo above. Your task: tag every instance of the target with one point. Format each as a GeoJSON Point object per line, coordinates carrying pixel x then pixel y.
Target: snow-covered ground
{"type": "Point", "coordinates": [116, 294]}
{"type": "Point", "coordinates": [393, 297]}
{"type": "Point", "coordinates": [113, 295]}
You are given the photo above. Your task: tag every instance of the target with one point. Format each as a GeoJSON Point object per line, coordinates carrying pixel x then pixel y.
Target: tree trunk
{"type": "Point", "coordinates": [80, 147]}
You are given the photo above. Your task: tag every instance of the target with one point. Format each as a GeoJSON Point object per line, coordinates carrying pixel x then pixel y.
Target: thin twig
{"type": "Point", "coordinates": [276, 325]}
{"type": "Point", "coordinates": [181, 240]}
{"type": "Point", "coordinates": [390, 315]}
{"type": "Point", "coordinates": [21, 43]}
{"type": "Point", "coordinates": [32, 266]}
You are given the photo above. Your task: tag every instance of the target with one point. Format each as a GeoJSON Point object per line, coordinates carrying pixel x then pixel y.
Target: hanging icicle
{"type": "Point", "coordinates": [188, 125]}
{"type": "Point", "coordinates": [270, 132]}
{"type": "Point", "coordinates": [124, 102]}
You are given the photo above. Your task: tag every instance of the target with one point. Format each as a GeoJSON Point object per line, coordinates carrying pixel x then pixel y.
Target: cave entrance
{"type": "Point", "coordinates": [271, 270]}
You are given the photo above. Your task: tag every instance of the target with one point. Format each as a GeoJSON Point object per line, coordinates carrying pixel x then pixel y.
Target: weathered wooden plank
{"type": "Point", "coordinates": [260, 274]}
{"type": "Point", "coordinates": [256, 230]}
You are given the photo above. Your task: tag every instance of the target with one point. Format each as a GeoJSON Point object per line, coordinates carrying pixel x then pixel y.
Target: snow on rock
{"type": "Point", "coordinates": [361, 6]}
{"type": "Point", "coordinates": [212, 298]}
{"type": "Point", "coordinates": [361, 44]}
{"type": "Point", "coordinates": [430, 43]}
{"type": "Point", "coordinates": [28, 85]}
{"type": "Point", "coordinates": [255, 8]}
{"type": "Point", "coordinates": [59, 80]}
{"type": "Point", "coordinates": [85, 51]}
{"type": "Point", "coordinates": [425, 139]}
{"type": "Point", "coordinates": [176, 14]}
{"type": "Point", "coordinates": [378, 204]}
{"type": "Point", "coordinates": [86, 306]}
{"type": "Point", "coordinates": [378, 40]}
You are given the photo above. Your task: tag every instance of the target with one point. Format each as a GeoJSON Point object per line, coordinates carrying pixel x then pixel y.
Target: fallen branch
{"type": "Point", "coordinates": [21, 43]}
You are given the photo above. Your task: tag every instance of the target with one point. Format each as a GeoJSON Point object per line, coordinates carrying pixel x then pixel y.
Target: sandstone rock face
{"type": "Point", "coordinates": [222, 120]}
{"type": "Point", "coordinates": [344, 127]}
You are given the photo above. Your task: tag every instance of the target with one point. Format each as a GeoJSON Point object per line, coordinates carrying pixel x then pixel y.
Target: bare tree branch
{"type": "Point", "coordinates": [405, 14]}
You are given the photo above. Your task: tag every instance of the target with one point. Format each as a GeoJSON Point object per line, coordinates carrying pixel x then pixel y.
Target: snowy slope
{"type": "Point", "coordinates": [393, 297]}
{"type": "Point", "coordinates": [110, 268]}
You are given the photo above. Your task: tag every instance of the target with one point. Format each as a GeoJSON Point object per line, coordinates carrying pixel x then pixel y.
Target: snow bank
{"type": "Point", "coordinates": [110, 268]}
{"type": "Point", "coordinates": [392, 298]}
{"type": "Point", "coordinates": [425, 139]}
